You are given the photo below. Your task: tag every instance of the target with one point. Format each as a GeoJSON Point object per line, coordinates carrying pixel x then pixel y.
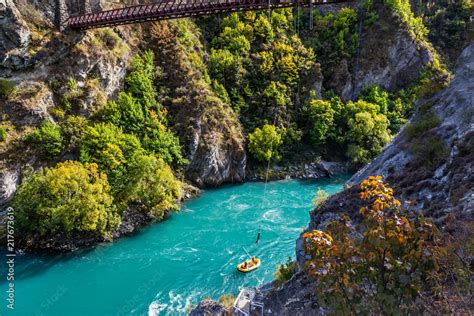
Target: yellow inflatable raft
{"type": "Point", "coordinates": [248, 265]}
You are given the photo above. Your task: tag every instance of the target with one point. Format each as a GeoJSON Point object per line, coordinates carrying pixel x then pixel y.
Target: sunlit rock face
{"type": "Point", "coordinates": [439, 186]}
{"type": "Point", "coordinates": [441, 179]}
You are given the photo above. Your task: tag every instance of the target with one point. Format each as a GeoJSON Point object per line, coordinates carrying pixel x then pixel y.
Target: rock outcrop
{"type": "Point", "coordinates": [45, 65]}
{"type": "Point", "coordinates": [208, 128]}
{"type": "Point", "coordinates": [435, 167]}
{"type": "Point", "coordinates": [315, 169]}
{"type": "Point", "coordinates": [208, 307]}
{"type": "Point", "coordinates": [388, 55]}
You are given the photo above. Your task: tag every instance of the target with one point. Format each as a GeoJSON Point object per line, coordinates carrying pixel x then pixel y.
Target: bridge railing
{"type": "Point", "coordinates": [169, 9]}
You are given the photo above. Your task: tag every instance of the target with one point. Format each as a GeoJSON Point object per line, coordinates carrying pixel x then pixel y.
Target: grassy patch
{"type": "Point", "coordinates": [3, 134]}
{"type": "Point", "coordinates": [285, 271]}
{"type": "Point", "coordinates": [422, 124]}
{"type": "Point", "coordinates": [227, 300]}
{"type": "Point", "coordinates": [6, 88]}
{"type": "Point", "coordinates": [431, 151]}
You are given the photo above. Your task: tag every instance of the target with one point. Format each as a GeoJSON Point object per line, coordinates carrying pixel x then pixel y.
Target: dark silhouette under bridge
{"type": "Point", "coordinates": [172, 9]}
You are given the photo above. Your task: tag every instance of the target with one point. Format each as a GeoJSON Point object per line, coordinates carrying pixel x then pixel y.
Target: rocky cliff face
{"type": "Point", "coordinates": [434, 166]}
{"type": "Point", "coordinates": [209, 129]}
{"type": "Point", "coordinates": [440, 186]}
{"type": "Point", "coordinates": [41, 62]}
{"type": "Point", "coordinates": [387, 55]}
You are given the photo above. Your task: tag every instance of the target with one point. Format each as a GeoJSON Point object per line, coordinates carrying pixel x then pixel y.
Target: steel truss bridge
{"type": "Point", "coordinates": [172, 9]}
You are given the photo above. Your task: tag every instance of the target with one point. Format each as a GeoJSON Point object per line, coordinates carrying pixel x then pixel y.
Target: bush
{"type": "Point", "coordinates": [6, 88]}
{"type": "Point", "coordinates": [73, 128]}
{"type": "Point", "coordinates": [423, 123]}
{"type": "Point", "coordinates": [320, 198]}
{"type": "Point", "coordinates": [3, 134]}
{"type": "Point", "coordinates": [71, 197]}
{"type": "Point", "coordinates": [430, 150]}
{"type": "Point", "coordinates": [49, 138]}
{"type": "Point", "coordinates": [227, 300]}
{"type": "Point", "coordinates": [109, 147]}
{"type": "Point", "coordinates": [72, 95]}
{"type": "Point", "coordinates": [151, 184]}
{"type": "Point", "coordinates": [398, 264]}
{"type": "Point", "coordinates": [368, 131]}
{"type": "Point", "coordinates": [284, 272]}
{"type": "Point", "coordinates": [264, 143]}
{"type": "Point", "coordinates": [321, 116]}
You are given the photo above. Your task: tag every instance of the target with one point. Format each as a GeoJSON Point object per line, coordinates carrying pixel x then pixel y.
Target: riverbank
{"type": "Point", "coordinates": [306, 170]}
{"type": "Point", "coordinates": [134, 219]}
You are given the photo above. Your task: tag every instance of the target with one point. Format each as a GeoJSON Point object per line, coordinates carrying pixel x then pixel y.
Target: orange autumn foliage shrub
{"type": "Point", "coordinates": [397, 263]}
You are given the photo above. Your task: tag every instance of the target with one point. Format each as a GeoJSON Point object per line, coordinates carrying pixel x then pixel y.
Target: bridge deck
{"type": "Point", "coordinates": [171, 9]}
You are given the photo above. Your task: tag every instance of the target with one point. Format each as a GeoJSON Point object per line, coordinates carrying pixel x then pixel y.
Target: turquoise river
{"type": "Point", "coordinates": [167, 266]}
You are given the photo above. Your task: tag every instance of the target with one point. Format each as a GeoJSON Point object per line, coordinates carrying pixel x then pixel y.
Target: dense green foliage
{"type": "Point", "coordinates": [106, 145]}
{"type": "Point", "coordinates": [396, 107]}
{"type": "Point", "coordinates": [49, 138]}
{"type": "Point", "coordinates": [334, 37]}
{"type": "Point", "coordinates": [137, 112]}
{"type": "Point", "coordinates": [151, 183]}
{"type": "Point", "coordinates": [321, 115]}
{"type": "Point", "coordinates": [6, 88]}
{"type": "Point", "coordinates": [448, 24]}
{"type": "Point", "coordinates": [285, 271]}
{"type": "Point", "coordinates": [261, 69]}
{"type": "Point", "coordinates": [359, 128]}
{"type": "Point", "coordinates": [73, 128]}
{"type": "Point", "coordinates": [398, 264]}
{"type": "Point", "coordinates": [123, 154]}
{"type": "Point", "coordinates": [3, 134]}
{"type": "Point", "coordinates": [260, 66]}
{"type": "Point", "coordinates": [133, 146]}
{"type": "Point", "coordinates": [264, 143]}
{"type": "Point", "coordinates": [368, 131]}
{"type": "Point", "coordinates": [72, 197]}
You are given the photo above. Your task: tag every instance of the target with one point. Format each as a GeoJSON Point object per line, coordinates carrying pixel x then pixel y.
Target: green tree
{"type": "Point", "coordinates": [70, 197]}
{"type": "Point", "coordinates": [72, 129]}
{"type": "Point", "coordinates": [164, 143]}
{"type": "Point", "coordinates": [140, 79]}
{"type": "Point", "coordinates": [368, 131]}
{"type": "Point", "coordinates": [225, 67]}
{"type": "Point", "coordinates": [126, 113]}
{"type": "Point", "coordinates": [49, 138]}
{"type": "Point", "coordinates": [264, 143]}
{"type": "Point", "coordinates": [321, 115]}
{"type": "Point", "coordinates": [106, 145]}
{"type": "Point", "coordinates": [397, 107]}
{"type": "Point", "coordinates": [151, 184]}
{"type": "Point", "coordinates": [3, 134]}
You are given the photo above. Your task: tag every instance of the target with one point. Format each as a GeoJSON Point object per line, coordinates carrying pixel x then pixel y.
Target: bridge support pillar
{"type": "Point", "coordinates": [60, 14]}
